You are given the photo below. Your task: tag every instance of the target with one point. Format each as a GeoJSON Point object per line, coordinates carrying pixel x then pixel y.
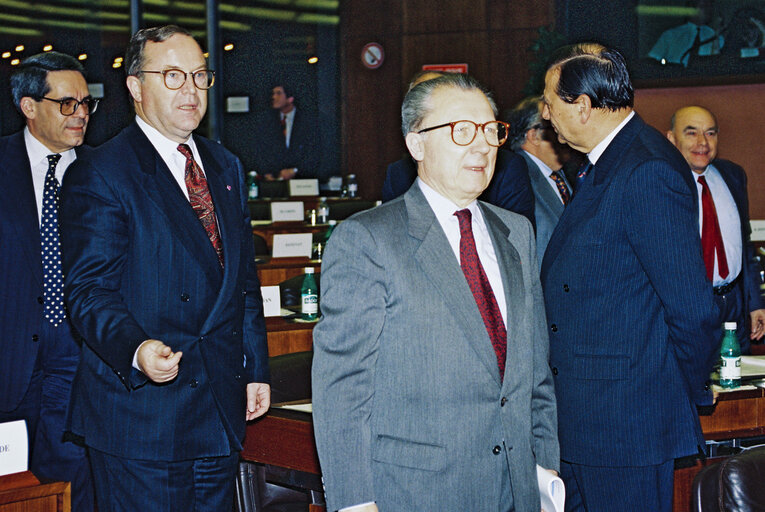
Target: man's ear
{"type": "Point", "coordinates": [416, 145]}
{"type": "Point", "coordinates": [532, 136]}
{"type": "Point", "coordinates": [671, 137]}
{"type": "Point", "coordinates": [135, 87]}
{"type": "Point", "coordinates": [28, 107]}
{"type": "Point", "coordinates": [584, 107]}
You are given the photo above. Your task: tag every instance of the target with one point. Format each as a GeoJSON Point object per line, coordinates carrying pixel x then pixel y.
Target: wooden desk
{"type": "Point", "coordinates": [277, 270]}
{"type": "Point", "coordinates": [22, 492]}
{"type": "Point", "coordinates": [267, 231]}
{"type": "Point", "coordinates": [285, 337]}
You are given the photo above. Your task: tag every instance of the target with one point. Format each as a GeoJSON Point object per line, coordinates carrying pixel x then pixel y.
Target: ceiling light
{"type": "Point", "coordinates": [15, 62]}
{"type": "Point", "coordinates": [6, 55]}
{"type": "Point", "coordinates": [118, 59]}
{"type": "Point", "coordinates": [116, 64]}
{"type": "Point", "coordinates": [47, 47]}
{"type": "Point", "coordinates": [82, 56]}
{"type": "Point", "coordinates": [229, 47]}
{"type": "Point", "coordinates": [20, 48]}
{"type": "Point", "coordinates": [313, 60]}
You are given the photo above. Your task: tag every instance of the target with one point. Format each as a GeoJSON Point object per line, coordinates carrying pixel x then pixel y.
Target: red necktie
{"type": "Point", "coordinates": [199, 197]}
{"type": "Point", "coordinates": [284, 126]}
{"type": "Point", "coordinates": [482, 292]}
{"type": "Point", "coordinates": [562, 188]}
{"type": "Point", "coordinates": [711, 238]}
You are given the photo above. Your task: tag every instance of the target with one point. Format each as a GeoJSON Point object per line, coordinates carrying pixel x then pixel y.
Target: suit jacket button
{"type": "Point", "coordinates": [234, 333]}
{"type": "Point", "coordinates": [237, 376]}
{"type": "Point", "coordinates": [35, 337]}
{"type": "Point", "coordinates": [40, 300]}
{"type": "Point", "coordinates": [244, 292]}
{"type": "Point", "coordinates": [554, 328]}
{"type": "Point", "coordinates": [496, 450]}
{"type": "Point", "coordinates": [185, 297]}
{"type": "Point", "coordinates": [193, 383]}
{"type": "Point", "coordinates": [565, 288]}
{"type": "Point", "coordinates": [503, 402]}
{"type": "Point", "coordinates": [555, 371]}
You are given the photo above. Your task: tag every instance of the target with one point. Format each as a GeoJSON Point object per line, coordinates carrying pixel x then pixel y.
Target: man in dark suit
{"type": "Point", "coordinates": [422, 401]}
{"type": "Point", "coordinates": [287, 139]}
{"type": "Point", "coordinates": [633, 327]}
{"type": "Point", "coordinates": [38, 344]}
{"type": "Point", "coordinates": [534, 139]}
{"type": "Point", "coordinates": [731, 267]}
{"type": "Point", "coordinates": [162, 285]}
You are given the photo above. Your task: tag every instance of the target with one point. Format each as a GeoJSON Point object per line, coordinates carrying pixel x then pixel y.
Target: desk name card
{"type": "Point", "coordinates": [758, 230]}
{"type": "Point", "coordinates": [292, 245]}
{"type": "Point", "coordinates": [304, 187]}
{"type": "Point", "coordinates": [13, 447]}
{"type": "Point", "coordinates": [271, 300]}
{"type": "Point", "coordinates": [287, 211]}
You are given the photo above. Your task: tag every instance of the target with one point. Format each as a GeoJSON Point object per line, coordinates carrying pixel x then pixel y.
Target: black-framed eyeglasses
{"type": "Point", "coordinates": [464, 132]}
{"type": "Point", "coordinates": [69, 106]}
{"type": "Point", "coordinates": [175, 78]}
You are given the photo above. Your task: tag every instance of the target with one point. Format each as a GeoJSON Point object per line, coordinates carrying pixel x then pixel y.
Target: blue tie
{"type": "Point", "coordinates": [584, 170]}
{"type": "Point", "coordinates": [53, 277]}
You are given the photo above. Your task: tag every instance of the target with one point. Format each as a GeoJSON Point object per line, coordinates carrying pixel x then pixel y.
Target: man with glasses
{"type": "Point", "coordinates": [40, 350]}
{"type": "Point", "coordinates": [431, 388]}
{"type": "Point", "coordinates": [161, 283]}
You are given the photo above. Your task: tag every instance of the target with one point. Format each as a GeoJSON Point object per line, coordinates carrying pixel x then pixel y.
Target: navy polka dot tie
{"type": "Point", "coordinates": [53, 277]}
{"type": "Point", "coordinates": [482, 292]}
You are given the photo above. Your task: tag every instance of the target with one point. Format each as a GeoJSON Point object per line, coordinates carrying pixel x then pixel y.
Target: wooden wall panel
{"type": "Point", "coordinates": [509, 64]}
{"type": "Point", "coordinates": [512, 14]}
{"type": "Point", "coordinates": [438, 16]}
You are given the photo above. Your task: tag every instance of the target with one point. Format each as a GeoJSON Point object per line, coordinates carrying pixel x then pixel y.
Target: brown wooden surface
{"type": "Point", "coordinates": [277, 270]}
{"type": "Point", "coordinates": [284, 439]}
{"type": "Point", "coordinates": [285, 337]}
{"type": "Point", "coordinates": [683, 491]}
{"type": "Point", "coordinates": [267, 231]}
{"type": "Point", "coordinates": [32, 496]}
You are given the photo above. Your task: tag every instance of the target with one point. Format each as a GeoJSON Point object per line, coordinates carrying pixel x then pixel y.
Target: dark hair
{"type": "Point", "coordinates": [522, 118]}
{"type": "Point", "coordinates": [31, 76]}
{"type": "Point", "coordinates": [134, 58]}
{"type": "Point", "coordinates": [288, 90]}
{"type": "Point", "coordinates": [416, 105]}
{"type": "Point", "coordinates": [598, 72]}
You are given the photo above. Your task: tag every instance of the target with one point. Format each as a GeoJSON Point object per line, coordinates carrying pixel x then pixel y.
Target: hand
{"type": "Point", "coordinates": [258, 400]}
{"type": "Point", "coordinates": [758, 324]}
{"type": "Point", "coordinates": [158, 361]}
{"type": "Point", "coordinates": [268, 177]}
{"type": "Point", "coordinates": [287, 174]}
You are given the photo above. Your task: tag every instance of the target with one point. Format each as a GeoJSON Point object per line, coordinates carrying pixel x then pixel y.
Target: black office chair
{"type": "Point", "coordinates": [261, 247]}
{"type": "Point", "coordinates": [732, 485]}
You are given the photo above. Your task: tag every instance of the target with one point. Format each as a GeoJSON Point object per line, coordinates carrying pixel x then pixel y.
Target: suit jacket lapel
{"type": "Point", "coordinates": [17, 196]}
{"type": "Point", "coordinates": [544, 192]}
{"type": "Point", "coordinates": [437, 261]}
{"type": "Point", "coordinates": [162, 189]}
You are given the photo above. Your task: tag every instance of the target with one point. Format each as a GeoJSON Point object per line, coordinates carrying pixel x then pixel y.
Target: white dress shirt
{"type": "Point", "coordinates": [38, 161]}
{"type": "Point", "coordinates": [598, 150]}
{"type": "Point", "coordinates": [289, 119]}
{"type": "Point", "coordinates": [727, 217]}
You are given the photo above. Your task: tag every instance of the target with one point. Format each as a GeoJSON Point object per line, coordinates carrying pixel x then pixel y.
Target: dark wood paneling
{"type": "Point", "coordinates": [433, 16]}
{"type": "Point", "coordinates": [509, 64]}
{"type": "Point", "coordinates": [506, 14]}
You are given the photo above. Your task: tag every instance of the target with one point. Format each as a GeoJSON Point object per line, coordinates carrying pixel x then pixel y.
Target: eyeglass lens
{"type": "Point", "coordinates": [463, 133]}
{"type": "Point", "coordinates": [175, 78]}
{"type": "Point", "coordinates": [70, 105]}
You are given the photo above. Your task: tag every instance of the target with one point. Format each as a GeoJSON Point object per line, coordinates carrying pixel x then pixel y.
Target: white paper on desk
{"type": "Point", "coordinates": [552, 492]}
{"type": "Point", "coordinates": [304, 187]}
{"type": "Point", "coordinates": [752, 366]}
{"type": "Point", "coordinates": [292, 244]}
{"type": "Point", "coordinates": [272, 302]}
{"type": "Point", "coordinates": [14, 449]}
{"type": "Point", "coordinates": [287, 211]}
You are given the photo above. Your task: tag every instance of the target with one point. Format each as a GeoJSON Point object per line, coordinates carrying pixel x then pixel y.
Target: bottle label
{"type": "Point", "coordinates": [309, 304]}
{"type": "Point", "coordinates": [730, 368]}
{"type": "Point", "coordinates": [253, 192]}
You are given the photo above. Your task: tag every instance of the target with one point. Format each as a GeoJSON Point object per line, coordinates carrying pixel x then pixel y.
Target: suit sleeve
{"type": "Point", "coordinates": [345, 356]}
{"type": "Point", "coordinates": [95, 235]}
{"type": "Point", "coordinates": [665, 239]}
{"type": "Point", "coordinates": [751, 272]}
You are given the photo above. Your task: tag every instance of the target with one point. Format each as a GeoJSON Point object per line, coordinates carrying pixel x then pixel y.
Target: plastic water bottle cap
{"type": "Point", "coordinates": [729, 325]}
{"type": "Point", "coordinates": [310, 270]}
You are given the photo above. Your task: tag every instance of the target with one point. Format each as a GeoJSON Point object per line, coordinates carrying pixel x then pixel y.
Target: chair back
{"type": "Point", "coordinates": [736, 484]}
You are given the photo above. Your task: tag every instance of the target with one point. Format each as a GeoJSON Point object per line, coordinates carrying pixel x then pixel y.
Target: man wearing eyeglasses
{"type": "Point", "coordinates": [161, 283]}
{"type": "Point", "coordinates": [39, 347]}
{"type": "Point", "coordinates": [431, 388]}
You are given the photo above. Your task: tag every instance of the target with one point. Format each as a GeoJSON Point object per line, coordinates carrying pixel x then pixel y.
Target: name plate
{"type": "Point", "coordinates": [758, 230]}
{"type": "Point", "coordinates": [14, 449]}
{"type": "Point", "coordinates": [271, 300]}
{"type": "Point", "coordinates": [292, 245]}
{"type": "Point", "coordinates": [306, 187]}
{"type": "Point", "coordinates": [287, 211]}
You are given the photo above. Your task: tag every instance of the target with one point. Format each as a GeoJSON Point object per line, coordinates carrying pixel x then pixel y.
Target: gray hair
{"type": "Point", "coordinates": [416, 104]}
{"type": "Point", "coordinates": [134, 57]}
{"type": "Point", "coordinates": [30, 78]}
{"type": "Point", "coordinates": [523, 117]}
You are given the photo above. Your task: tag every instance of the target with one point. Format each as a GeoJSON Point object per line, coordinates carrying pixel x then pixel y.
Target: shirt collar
{"type": "Point", "coordinates": [164, 146]}
{"type": "Point", "coordinates": [598, 150]}
{"type": "Point", "coordinates": [37, 152]}
{"type": "Point", "coordinates": [444, 208]}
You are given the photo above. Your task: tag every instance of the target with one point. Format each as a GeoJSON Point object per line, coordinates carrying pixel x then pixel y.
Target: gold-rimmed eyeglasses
{"type": "Point", "coordinates": [175, 78]}
{"type": "Point", "coordinates": [464, 132]}
{"type": "Point", "coordinates": [68, 106]}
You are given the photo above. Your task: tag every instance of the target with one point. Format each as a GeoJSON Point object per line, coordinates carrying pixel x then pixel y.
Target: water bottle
{"type": "Point", "coordinates": [322, 210]}
{"type": "Point", "coordinates": [353, 186]}
{"type": "Point", "coordinates": [252, 191]}
{"type": "Point", "coordinates": [309, 296]}
{"type": "Point", "coordinates": [730, 357]}
{"type": "Point", "coordinates": [328, 233]}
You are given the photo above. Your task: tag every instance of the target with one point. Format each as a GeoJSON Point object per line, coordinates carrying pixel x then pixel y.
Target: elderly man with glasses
{"type": "Point", "coordinates": [162, 285]}
{"type": "Point", "coordinates": [39, 348]}
{"type": "Point", "coordinates": [431, 388]}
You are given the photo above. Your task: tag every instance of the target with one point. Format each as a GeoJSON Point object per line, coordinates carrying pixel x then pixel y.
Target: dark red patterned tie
{"type": "Point", "coordinates": [199, 197]}
{"type": "Point", "coordinates": [482, 292]}
{"type": "Point", "coordinates": [562, 188]}
{"type": "Point", "coordinates": [711, 237]}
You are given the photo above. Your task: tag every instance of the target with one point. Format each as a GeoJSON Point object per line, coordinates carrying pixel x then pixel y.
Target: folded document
{"type": "Point", "coordinates": [552, 492]}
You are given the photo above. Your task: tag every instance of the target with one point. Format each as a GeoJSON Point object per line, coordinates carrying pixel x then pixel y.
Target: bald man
{"type": "Point", "coordinates": [723, 206]}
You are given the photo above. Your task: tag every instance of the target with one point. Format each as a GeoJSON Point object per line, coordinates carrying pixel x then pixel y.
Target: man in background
{"type": "Point", "coordinates": [40, 349]}
{"type": "Point", "coordinates": [287, 139]}
{"type": "Point", "coordinates": [161, 283]}
{"type": "Point", "coordinates": [534, 139]}
{"type": "Point", "coordinates": [723, 223]}
{"type": "Point", "coordinates": [633, 328]}
{"type": "Point", "coordinates": [421, 399]}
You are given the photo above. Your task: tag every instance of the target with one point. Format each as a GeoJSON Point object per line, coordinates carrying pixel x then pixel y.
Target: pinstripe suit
{"type": "Point", "coordinates": [633, 328]}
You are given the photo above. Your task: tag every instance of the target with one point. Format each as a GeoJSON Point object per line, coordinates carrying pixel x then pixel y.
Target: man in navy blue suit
{"type": "Point", "coordinates": [162, 285]}
{"type": "Point", "coordinates": [732, 268]}
{"type": "Point", "coordinates": [633, 327]}
{"type": "Point", "coordinates": [39, 346]}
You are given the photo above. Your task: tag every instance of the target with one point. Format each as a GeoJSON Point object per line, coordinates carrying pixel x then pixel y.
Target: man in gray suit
{"type": "Point", "coordinates": [422, 401]}
{"type": "Point", "coordinates": [534, 139]}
